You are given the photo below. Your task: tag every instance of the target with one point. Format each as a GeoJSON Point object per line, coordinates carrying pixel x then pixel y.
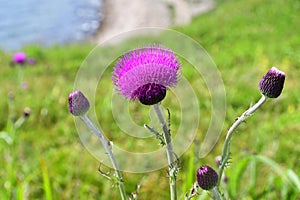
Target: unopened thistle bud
{"type": "Point", "coordinates": [271, 84]}
{"type": "Point", "coordinates": [26, 112]}
{"type": "Point", "coordinates": [207, 177]}
{"type": "Point", "coordinates": [78, 103]}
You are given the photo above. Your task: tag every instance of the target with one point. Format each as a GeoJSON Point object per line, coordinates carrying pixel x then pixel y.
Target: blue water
{"type": "Point", "coordinates": [47, 22]}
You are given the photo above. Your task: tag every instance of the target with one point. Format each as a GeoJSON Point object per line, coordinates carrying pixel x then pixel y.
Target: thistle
{"type": "Point", "coordinates": [19, 58]}
{"type": "Point", "coordinates": [78, 103]}
{"type": "Point", "coordinates": [31, 61]}
{"type": "Point", "coordinates": [207, 177]}
{"type": "Point", "coordinates": [271, 84]}
{"type": "Point", "coordinates": [146, 73]}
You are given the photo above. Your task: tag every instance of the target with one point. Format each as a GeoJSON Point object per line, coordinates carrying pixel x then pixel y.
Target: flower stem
{"type": "Point", "coordinates": [239, 120]}
{"type": "Point", "coordinates": [217, 195]}
{"type": "Point", "coordinates": [169, 150]}
{"type": "Point", "coordinates": [109, 152]}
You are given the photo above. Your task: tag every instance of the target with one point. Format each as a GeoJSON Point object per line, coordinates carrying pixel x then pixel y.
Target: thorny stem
{"type": "Point", "coordinates": [239, 120]}
{"type": "Point", "coordinates": [109, 152]}
{"type": "Point", "coordinates": [169, 150]}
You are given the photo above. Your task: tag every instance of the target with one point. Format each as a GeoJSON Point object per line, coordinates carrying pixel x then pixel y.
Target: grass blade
{"type": "Point", "coordinates": [46, 180]}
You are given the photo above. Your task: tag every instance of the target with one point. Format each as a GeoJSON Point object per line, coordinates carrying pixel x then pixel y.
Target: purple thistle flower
{"type": "Point", "coordinates": [19, 58]}
{"type": "Point", "coordinates": [78, 103]}
{"type": "Point", "coordinates": [271, 84]}
{"type": "Point", "coordinates": [207, 177]}
{"type": "Point", "coordinates": [146, 73]}
{"type": "Point", "coordinates": [31, 61]}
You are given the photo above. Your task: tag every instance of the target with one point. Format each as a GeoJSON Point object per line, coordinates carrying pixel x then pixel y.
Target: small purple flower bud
{"type": "Point", "coordinates": [26, 112]}
{"type": "Point", "coordinates": [78, 103]}
{"type": "Point", "coordinates": [31, 61]}
{"type": "Point", "coordinates": [271, 84]}
{"type": "Point", "coordinates": [207, 177]}
{"type": "Point", "coordinates": [19, 58]}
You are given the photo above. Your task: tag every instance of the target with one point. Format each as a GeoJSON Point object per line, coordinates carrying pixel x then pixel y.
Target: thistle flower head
{"type": "Point", "coordinates": [78, 103]}
{"type": "Point", "coordinates": [19, 58]}
{"type": "Point", "coordinates": [146, 73]}
{"type": "Point", "coordinates": [31, 61]}
{"type": "Point", "coordinates": [271, 84]}
{"type": "Point", "coordinates": [207, 177]}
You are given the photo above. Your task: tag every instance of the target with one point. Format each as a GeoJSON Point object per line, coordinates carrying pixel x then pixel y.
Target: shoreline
{"type": "Point", "coordinates": [120, 16]}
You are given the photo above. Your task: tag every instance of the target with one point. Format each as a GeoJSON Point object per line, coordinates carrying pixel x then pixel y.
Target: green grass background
{"type": "Point", "coordinates": [44, 158]}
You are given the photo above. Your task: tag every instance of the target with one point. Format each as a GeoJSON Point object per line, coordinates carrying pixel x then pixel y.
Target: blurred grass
{"type": "Point", "coordinates": [46, 160]}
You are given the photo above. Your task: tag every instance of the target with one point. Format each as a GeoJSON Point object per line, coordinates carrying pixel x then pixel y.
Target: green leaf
{"type": "Point", "coordinates": [5, 136]}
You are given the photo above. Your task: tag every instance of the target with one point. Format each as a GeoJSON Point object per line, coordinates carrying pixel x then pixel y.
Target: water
{"type": "Point", "coordinates": [47, 22]}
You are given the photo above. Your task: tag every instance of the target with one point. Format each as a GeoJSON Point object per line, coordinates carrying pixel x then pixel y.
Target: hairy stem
{"type": "Point", "coordinates": [217, 195]}
{"type": "Point", "coordinates": [239, 120]}
{"type": "Point", "coordinates": [169, 150]}
{"type": "Point", "coordinates": [109, 152]}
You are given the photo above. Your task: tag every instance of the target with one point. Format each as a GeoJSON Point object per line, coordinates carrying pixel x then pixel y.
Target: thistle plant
{"type": "Point", "coordinates": [20, 58]}
{"type": "Point", "coordinates": [79, 105]}
{"type": "Point", "coordinates": [270, 86]}
{"type": "Point", "coordinates": [145, 74]}
{"type": "Point", "coordinates": [11, 139]}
